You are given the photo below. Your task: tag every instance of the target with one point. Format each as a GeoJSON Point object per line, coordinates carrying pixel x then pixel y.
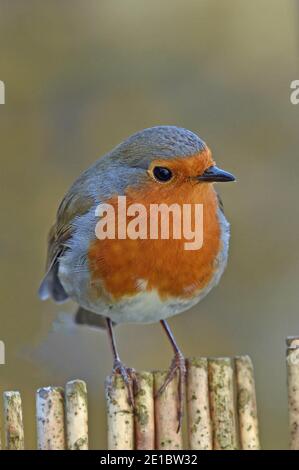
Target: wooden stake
{"type": "Point", "coordinates": [293, 390]}
{"type": "Point", "coordinates": [120, 419]}
{"type": "Point", "coordinates": [13, 421]}
{"type": "Point", "coordinates": [50, 418]}
{"type": "Point", "coordinates": [166, 414]}
{"type": "Point", "coordinates": [222, 404]}
{"type": "Point", "coordinates": [76, 415]}
{"type": "Point", "coordinates": [246, 404]}
{"type": "Point", "coordinates": [198, 407]}
{"type": "Point", "coordinates": [144, 413]}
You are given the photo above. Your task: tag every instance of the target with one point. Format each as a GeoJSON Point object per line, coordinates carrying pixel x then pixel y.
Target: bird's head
{"type": "Point", "coordinates": [166, 158]}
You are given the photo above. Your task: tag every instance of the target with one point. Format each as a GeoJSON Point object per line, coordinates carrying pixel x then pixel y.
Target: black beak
{"type": "Point", "coordinates": [215, 174]}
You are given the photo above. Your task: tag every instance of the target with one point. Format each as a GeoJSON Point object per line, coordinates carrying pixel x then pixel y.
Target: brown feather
{"type": "Point", "coordinates": [73, 205]}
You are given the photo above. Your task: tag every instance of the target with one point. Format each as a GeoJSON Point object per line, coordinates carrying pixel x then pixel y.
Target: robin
{"type": "Point", "coordinates": [139, 279]}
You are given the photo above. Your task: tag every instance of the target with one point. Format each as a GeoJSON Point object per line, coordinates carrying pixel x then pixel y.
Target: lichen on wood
{"type": "Point", "coordinates": [144, 412]}
{"type": "Point", "coordinates": [166, 414]}
{"type": "Point", "coordinates": [13, 421]}
{"type": "Point", "coordinates": [76, 415]}
{"type": "Point", "coordinates": [198, 407]}
{"type": "Point", "coordinates": [246, 404]}
{"type": "Point", "coordinates": [120, 416]}
{"type": "Point", "coordinates": [221, 392]}
{"type": "Point", "coordinates": [50, 418]}
{"type": "Point", "coordinates": [293, 390]}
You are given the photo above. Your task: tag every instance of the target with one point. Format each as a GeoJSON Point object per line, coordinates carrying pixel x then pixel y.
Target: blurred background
{"type": "Point", "coordinates": [82, 76]}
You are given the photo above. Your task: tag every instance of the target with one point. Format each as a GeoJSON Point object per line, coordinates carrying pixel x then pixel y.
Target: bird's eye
{"type": "Point", "coordinates": [162, 174]}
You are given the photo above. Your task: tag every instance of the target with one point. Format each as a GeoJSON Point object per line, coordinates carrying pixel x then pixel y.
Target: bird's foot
{"type": "Point", "coordinates": [129, 377]}
{"type": "Point", "coordinates": [177, 365]}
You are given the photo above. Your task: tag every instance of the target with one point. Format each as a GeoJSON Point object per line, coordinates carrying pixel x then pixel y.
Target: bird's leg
{"type": "Point", "coordinates": [177, 365]}
{"type": "Point", "coordinates": [128, 375]}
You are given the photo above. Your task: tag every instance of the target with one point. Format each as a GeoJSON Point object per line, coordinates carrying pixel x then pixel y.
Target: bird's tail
{"type": "Point", "coordinates": [85, 317]}
{"type": "Point", "coordinates": [69, 323]}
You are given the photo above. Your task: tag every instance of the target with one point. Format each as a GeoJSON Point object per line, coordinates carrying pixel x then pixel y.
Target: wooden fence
{"type": "Point", "coordinates": [221, 410]}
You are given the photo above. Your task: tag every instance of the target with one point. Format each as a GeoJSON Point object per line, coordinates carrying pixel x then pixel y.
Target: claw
{"type": "Point", "coordinates": [177, 365]}
{"type": "Point", "coordinates": [129, 377]}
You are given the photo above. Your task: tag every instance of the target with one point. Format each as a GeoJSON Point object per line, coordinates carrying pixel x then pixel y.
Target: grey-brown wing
{"type": "Point", "coordinates": [73, 205]}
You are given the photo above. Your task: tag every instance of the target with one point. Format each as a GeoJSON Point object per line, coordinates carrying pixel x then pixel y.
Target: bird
{"type": "Point", "coordinates": [144, 279]}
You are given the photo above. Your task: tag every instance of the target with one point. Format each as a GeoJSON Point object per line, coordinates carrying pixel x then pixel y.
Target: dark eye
{"type": "Point", "coordinates": [162, 174]}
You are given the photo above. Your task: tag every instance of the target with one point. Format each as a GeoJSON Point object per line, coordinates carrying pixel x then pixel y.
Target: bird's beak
{"type": "Point", "coordinates": [215, 174]}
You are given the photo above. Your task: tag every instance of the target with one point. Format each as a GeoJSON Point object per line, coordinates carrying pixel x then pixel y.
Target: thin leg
{"type": "Point", "coordinates": [171, 338]}
{"type": "Point", "coordinates": [177, 365]}
{"type": "Point", "coordinates": [112, 339]}
{"type": "Point", "coordinates": [128, 375]}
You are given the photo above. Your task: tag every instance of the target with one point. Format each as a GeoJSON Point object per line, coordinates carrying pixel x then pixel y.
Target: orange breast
{"type": "Point", "coordinates": [124, 267]}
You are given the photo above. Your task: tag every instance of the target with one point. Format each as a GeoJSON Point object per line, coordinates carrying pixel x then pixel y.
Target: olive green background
{"type": "Point", "coordinates": [81, 76]}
